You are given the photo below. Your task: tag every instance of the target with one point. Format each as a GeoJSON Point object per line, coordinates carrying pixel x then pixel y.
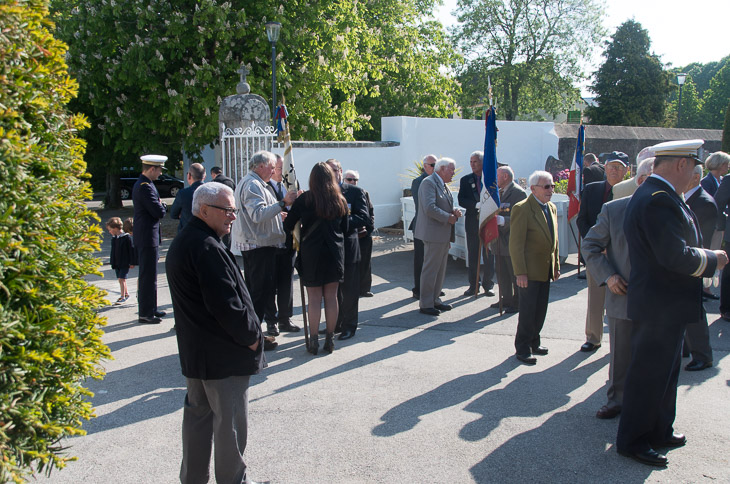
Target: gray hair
{"type": "Point", "coordinates": [434, 157]}
{"type": "Point", "coordinates": [442, 162]}
{"type": "Point", "coordinates": [698, 170]}
{"type": "Point", "coordinates": [716, 159]}
{"type": "Point", "coordinates": [507, 170]}
{"type": "Point", "coordinates": [207, 194]}
{"type": "Point", "coordinates": [479, 154]}
{"type": "Point", "coordinates": [537, 176]}
{"type": "Point", "coordinates": [261, 157]}
{"type": "Point", "coordinates": [355, 173]}
{"type": "Point", "coordinates": [646, 166]}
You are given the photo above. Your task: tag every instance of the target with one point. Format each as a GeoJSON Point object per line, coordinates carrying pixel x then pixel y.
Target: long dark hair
{"type": "Point", "coordinates": [327, 196]}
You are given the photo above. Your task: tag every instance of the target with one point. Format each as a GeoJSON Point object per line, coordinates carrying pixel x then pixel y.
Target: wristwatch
{"type": "Point", "coordinates": [282, 204]}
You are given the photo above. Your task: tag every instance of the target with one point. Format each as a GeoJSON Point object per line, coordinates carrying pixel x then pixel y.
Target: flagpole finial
{"type": "Point", "coordinates": [489, 90]}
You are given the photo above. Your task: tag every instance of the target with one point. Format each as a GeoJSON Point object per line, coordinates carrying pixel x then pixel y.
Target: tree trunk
{"type": "Point", "coordinates": [113, 197]}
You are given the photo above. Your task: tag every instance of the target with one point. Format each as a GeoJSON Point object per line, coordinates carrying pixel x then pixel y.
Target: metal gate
{"type": "Point", "coordinates": [239, 144]}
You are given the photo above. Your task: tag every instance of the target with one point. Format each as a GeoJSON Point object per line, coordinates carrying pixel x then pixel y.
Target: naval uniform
{"type": "Point", "coordinates": [148, 211]}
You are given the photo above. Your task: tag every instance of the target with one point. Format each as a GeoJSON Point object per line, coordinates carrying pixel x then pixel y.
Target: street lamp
{"type": "Point", "coordinates": [680, 80]}
{"type": "Point", "coordinates": [272, 33]}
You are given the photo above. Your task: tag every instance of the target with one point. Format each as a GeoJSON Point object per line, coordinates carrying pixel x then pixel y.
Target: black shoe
{"type": "Point", "coordinates": [582, 275]}
{"type": "Point", "coordinates": [540, 350]}
{"type": "Point", "coordinates": [347, 334]}
{"type": "Point", "coordinates": [313, 345]}
{"type": "Point", "coordinates": [443, 307]}
{"type": "Point", "coordinates": [489, 292]}
{"type": "Point", "coordinates": [416, 294]}
{"type": "Point", "coordinates": [510, 310]}
{"type": "Point", "coordinates": [528, 359]}
{"type": "Point", "coordinates": [471, 291]}
{"type": "Point", "coordinates": [160, 314]}
{"type": "Point", "coordinates": [152, 320]}
{"type": "Point", "coordinates": [697, 365]}
{"type": "Point", "coordinates": [588, 347]}
{"type": "Point", "coordinates": [430, 311]}
{"type": "Point", "coordinates": [329, 344]}
{"type": "Point", "coordinates": [272, 329]}
{"type": "Point", "coordinates": [650, 457]}
{"type": "Point", "coordinates": [367, 294]}
{"type": "Point", "coordinates": [709, 295]}
{"type": "Point", "coordinates": [270, 343]}
{"type": "Point", "coordinates": [607, 413]}
{"type": "Point", "coordinates": [442, 293]}
{"type": "Point", "coordinates": [725, 316]}
{"type": "Point", "coordinates": [288, 327]}
{"type": "Point", "coordinates": [676, 440]}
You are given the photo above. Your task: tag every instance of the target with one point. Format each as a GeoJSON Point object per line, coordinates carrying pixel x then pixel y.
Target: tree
{"type": "Point", "coordinates": [726, 131]}
{"type": "Point", "coordinates": [631, 86]}
{"type": "Point", "coordinates": [691, 108]}
{"type": "Point", "coordinates": [715, 98]}
{"type": "Point", "coordinates": [531, 49]}
{"type": "Point", "coordinates": [50, 340]}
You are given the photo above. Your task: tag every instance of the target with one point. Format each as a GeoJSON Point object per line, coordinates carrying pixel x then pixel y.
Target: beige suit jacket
{"type": "Point", "coordinates": [533, 251]}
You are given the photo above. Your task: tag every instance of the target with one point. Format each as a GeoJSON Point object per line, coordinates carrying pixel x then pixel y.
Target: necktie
{"type": "Point", "coordinates": [549, 219]}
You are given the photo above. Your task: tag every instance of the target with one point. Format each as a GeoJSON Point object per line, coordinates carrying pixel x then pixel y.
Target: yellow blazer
{"type": "Point", "coordinates": [531, 248]}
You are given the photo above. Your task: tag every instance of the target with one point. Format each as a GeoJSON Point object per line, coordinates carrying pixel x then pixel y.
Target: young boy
{"type": "Point", "coordinates": [122, 256]}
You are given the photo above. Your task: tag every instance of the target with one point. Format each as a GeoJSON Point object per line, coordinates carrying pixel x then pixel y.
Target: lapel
{"type": "Point", "coordinates": [540, 218]}
{"type": "Point", "coordinates": [475, 187]}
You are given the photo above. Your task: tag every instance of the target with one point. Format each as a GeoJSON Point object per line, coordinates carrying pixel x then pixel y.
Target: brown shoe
{"type": "Point", "coordinates": [606, 412]}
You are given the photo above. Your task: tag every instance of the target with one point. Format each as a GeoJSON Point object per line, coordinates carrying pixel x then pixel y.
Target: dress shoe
{"type": "Point", "coordinates": [489, 292]}
{"type": "Point", "coordinates": [272, 329]}
{"type": "Point", "coordinates": [582, 275]}
{"type": "Point", "coordinates": [442, 293]}
{"type": "Point", "coordinates": [725, 316]}
{"type": "Point", "coordinates": [288, 327]}
{"type": "Point", "coordinates": [528, 359]}
{"type": "Point", "coordinates": [416, 294]}
{"type": "Point", "coordinates": [367, 294]}
{"type": "Point", "coordinates": [697, 365]}
{"type": "Point", "coordinates": [709, 295]}
{"type": "Point", "coordinates": [443, 307]}
{"type": "Point", "coordinates": [270, 343]}
{"type": "Point", "coordinates": [650, 457]}
{"type": "Point", "coordinates": [540, 350]}
{"type": "Point", "coordinates": [588, 347]}
{"type": "Point", "coordinates": [676, 440]}
{"type": "Point", "coordinates": [160, 314]}
{"type": "Point", "coordinates": [470, 292]}
{"type": "Point", "coordinates": [430, 311]}
{"type": "Point", "coordinates": [346, 334]}
{"type": "Point", "coordinates": [606, 412]}
{"type": "Point", "coordinates": [152, 320]}
{"type": "Point", "coordinates": [510, 310]}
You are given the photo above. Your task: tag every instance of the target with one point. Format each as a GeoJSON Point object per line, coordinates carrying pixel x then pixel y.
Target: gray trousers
{"type": "Point", "coordinates": [215, 410]}
{"type": "Point", "coordinates": [619, 336]}
{"type": "Point", "coordinates": [594, 315]}
{"type": "Point", "coordinates": [435, 257]}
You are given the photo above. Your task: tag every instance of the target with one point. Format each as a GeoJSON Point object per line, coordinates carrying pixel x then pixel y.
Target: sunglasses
{"type": "Point", "coordinates": [546, 187]}
{"type": "Point", "coordinates": [430, 164]}
{"type": "Point", "coordinates": [351, 179]}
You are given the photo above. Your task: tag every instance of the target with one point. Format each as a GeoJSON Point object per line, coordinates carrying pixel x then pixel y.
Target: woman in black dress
{"type": "Point", "coordinates": [322, 211]}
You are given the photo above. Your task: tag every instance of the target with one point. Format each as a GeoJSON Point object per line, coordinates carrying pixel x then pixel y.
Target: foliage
{"type": "Point", "coordinates": [703, 73]}
{"type": "Point", "coordinates": [531, 49]}
{"type": "Point", "coordinates": [561, 186]}
{"type": "Point", "coordinates": [50, 338]}
{"type": "Point", "coordinates": [691, 108]}
{"type": "Point", "coordinates": [716, 97]}
{"type": "Point", "coordinates": [631, 86]}
{"type": "Point", "coordinates": [726, 131]}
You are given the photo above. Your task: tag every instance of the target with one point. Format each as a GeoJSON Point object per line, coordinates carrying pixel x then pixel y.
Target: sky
{"type": "Point", "coordinates": [680, 32]}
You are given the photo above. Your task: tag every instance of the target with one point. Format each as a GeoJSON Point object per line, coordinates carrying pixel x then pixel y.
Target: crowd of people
{"type": "Point", "coordinates": [647, 242]}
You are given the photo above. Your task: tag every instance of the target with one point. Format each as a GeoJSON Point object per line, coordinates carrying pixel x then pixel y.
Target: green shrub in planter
{"type": "Point", "coordinates": [50, 336]}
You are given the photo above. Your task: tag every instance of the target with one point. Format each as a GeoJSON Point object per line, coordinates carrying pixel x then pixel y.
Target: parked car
{"type": "Point", "coordinates": [167, 185]}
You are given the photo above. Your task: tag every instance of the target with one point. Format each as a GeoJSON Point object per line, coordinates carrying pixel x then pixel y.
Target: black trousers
{"type": "Point", "coordinates": [725, 290]}
{"type": "Point", "coordinates": [507, 283]}
{"type": "Point", "coordinates": [366, 254]}
{"type": "Point", "coordinates": [697, 339]}
{"type": "Point", "coordinates": [147, 281]}
{"type": "Point", "coordinates": [650, 394]}
{"type": "Point", "coordinates": [259, 267]}
{"type": "Point", "coordinates": [487, 272]}
{"type": "Point", "coordinates": [417, 264]}
{"type": "Point", "coordinates": [284, 287]}
{"type": "Point", "coordinates": [533, 308]}
{"type": "Point", "coordinates": [348, 295]}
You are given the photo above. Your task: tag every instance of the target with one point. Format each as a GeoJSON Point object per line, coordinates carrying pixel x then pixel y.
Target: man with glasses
{"type": "Point", "coordinates": [258, 231]}
{"type": "Point", "coordinates": [148, 211]}
{"type": "Point", "coordinates": [428, 163]}
{"type": "Point", "coordinates": [592, 199]}
{"type": "Point", "coordinates": [533, 247]}
{"type": "Point", "coordinates": [366, 239]}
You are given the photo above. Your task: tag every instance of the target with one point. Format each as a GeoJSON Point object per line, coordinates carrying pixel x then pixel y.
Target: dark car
{"type": "Point", "coordinates": [167, 185]}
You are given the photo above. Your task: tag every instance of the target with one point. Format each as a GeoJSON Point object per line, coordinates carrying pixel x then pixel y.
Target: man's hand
{"type": "Point", "coordinates": [522, 280]}
{"type": "Point", "coordinates": [617, 285]}
{"type": "Point", "coordinates": [721, 259]}
{"type": "Point", "coordinates": [283, 216]}
{"type": "Point", "coordinates": [556, 276]}
{"type": "Point", "coordinates": [457, 212]}
{"type": "Point", "coordinates": [290, 197]}
{"type": "Point", "coordinates": [452, 219]}
{"type": "Point", "coordinates": [254, 346]}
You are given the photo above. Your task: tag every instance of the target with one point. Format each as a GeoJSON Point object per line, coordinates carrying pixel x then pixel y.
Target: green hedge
{"type": "Point", "coordinates": [50, 336]}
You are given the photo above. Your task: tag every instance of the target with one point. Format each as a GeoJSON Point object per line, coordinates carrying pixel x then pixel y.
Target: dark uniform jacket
{"type": "Point", "coordinates": [214, 315]}
{"type": "Point", "coordinates": [358, 217]}
{"type": "Point", "coordinates": [595, 172]}
{"type": "Point", "coordinates": [705, 209]}
{"type": "Point", "coordinates": [182, 208]}
{"type": "Point", "coordinates": [667, 264]}
{"type": "Point", "coordinates": [469, 194]}
{"type": "Point", "coordinates": [148, 210]}
{"type": "Point", "coordinates": [709, 183]}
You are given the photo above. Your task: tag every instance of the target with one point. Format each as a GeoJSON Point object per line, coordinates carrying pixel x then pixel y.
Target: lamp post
{"type": "Point", "coordinates": [272, 33]}
{"type": "Point", "coordinates": [680, 80]}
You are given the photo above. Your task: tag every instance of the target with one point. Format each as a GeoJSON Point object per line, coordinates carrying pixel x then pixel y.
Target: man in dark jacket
{"type": "Point", "coordinates": [219, 339]}
{"type": "Point", "coordinates": [182, 207]}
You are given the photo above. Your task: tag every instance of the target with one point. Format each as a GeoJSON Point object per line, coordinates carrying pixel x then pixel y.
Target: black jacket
{"type": "Point", "coordinates": [358, 217]}
{"type": "Point", "coordinates": [182, 208]}
{"type": "Point", "coordinates": [591, 202]}
{"type": "Point", "coordinates": [214, 315]}
{"type": "Point", "coordinates": [705, 209]}
{"type": "Point", "coordinates": [123, 254]}
{"type": "Point", "coordinates": [148, 210]}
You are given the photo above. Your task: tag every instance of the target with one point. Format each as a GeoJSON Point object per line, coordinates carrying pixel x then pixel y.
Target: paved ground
{"type": "Point", "coordinates": [410, 399]}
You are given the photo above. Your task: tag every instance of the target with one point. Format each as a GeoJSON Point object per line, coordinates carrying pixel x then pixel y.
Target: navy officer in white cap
{"type": "Point", "coordinates": [664, 294]}
{"type": "Point", "coordinates": [148, 211]}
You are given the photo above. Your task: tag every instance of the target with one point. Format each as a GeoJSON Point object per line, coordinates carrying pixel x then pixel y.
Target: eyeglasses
{"type": "Point", "coordinates": [546, 187]}
{"type": "Point", "coordinates": [351, 179]}
{"type": "Point", "coordinates": [229, 210]}
{"type": "Point", "coordinates": [430, 164]}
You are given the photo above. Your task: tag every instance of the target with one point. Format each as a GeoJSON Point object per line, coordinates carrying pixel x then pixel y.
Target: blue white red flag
{"type": "Point", "coordinates": [575, 180]}
{"type": "Point", "coordinates": [489, 199]}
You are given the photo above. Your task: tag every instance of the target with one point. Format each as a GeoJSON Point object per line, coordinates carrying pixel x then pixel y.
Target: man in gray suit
{"type": "Point", "coordinates": [435, 227]}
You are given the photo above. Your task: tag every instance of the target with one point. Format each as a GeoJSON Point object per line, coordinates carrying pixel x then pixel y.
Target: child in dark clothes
{"type": "Point", "coordinates": [122, 256]}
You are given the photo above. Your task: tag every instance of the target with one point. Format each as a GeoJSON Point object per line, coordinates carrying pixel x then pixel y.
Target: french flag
{"type": "Point", "coordinates": [575, 180]}
{"type": "Point", "coordinates": [489, 200]}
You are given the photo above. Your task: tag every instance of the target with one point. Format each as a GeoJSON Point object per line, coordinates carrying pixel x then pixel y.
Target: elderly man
{"type": "Point", "coordinates": [219, 339]}
{"type": "Point", "coordinates": [429, 162]}
{"type": "Point", "coordinates": [722, 199]}
{"type": "Point", "coordinates": [280, 308]}
{"type": "Point", "coordinates": [435, 227]}
{"type": "Point", "coordinates": [717, 166]}
{"type": "Point", "coordinates": [148, 211]}
{"type": "Point", "coordinates": [258, 231]}
{"type": "Point", "coordinates": [365, 234]}
{"type": "Point", "coordinates": [182, 207]}
{"type": "Point", "coordinates": [470, 189]}
{"type": "Point", "coordinates": [593, 197]}
{"type": "Point", "coordinates": [606, 253]}
{"type": "Point", "coordinates": [510, 194]}
{"type": "Point", "coordinates": [217, 176]}
{"type": "Point", "coordinates": [664, 294]}
{"type": "Point", "coordinates": [348, 292]}
{"type": "Point", "coordinates": [533, 247]}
